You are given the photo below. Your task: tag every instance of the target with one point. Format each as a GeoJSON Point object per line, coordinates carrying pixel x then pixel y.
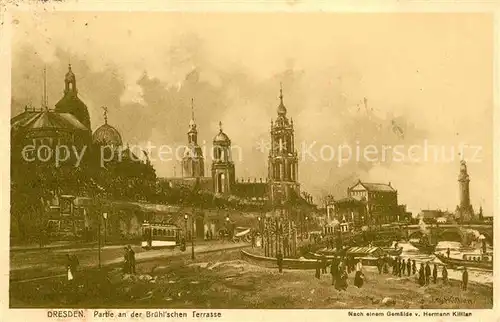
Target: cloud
{"type": "Point", "coordinates": [431, 74]}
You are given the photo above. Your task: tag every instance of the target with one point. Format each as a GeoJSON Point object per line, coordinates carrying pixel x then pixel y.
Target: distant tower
{"type": "Point", "coordinates": [465, 211]}
{"type": "Point", "coordinates": [193, 162]}
{"type": "Point", "coordinates": [222, 165]}
{"type": "Point", "coordinates": [283, 161]}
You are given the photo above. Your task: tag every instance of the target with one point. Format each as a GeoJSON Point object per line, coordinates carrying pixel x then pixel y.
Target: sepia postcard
{"type": "Point", "coordinates": [231, 163]}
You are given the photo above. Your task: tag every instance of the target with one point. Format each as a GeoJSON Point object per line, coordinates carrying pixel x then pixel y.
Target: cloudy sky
{"type": "Point", "coordinates": [425, 77]}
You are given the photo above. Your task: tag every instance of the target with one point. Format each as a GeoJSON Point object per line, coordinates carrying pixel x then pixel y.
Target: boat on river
{"type": "Point", "coordinates": [391, 251]}
{"type": "Point", "coordinates": [484, 261]}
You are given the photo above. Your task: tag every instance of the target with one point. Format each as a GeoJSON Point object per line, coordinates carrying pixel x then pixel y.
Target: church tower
{"type": "Point", "coordinates": [464, 210]}
{"type": "Point", "coordinates": [283, 161]}
{"type": "Point", "coordinates": [222, 166]}
{"type": "Point", "coordinates": [70, 103]}
{"type": "Point", "coordinates": [192, 162]}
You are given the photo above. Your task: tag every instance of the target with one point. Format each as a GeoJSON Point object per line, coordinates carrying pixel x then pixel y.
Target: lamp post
{"type": "Point", "coordinates": [99, 239]}
{"type": "Point", "coordinates": [307, 227]}
{"type": "Point", "coordinates": [227, 226]}
{"type": "Point", "coordinates": [260, 232]}
{"type": "Point", "coordinates": [105, 216]}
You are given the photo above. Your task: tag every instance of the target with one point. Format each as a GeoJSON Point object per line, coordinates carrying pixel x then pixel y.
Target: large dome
{"type": "Point", "coordinates": [221, 137]}
{"type": "Point", "coordinates": [107, 135]}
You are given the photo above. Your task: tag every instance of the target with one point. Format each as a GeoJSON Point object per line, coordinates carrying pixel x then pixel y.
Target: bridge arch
{"type": "Point", "coordinates": [452, 235]}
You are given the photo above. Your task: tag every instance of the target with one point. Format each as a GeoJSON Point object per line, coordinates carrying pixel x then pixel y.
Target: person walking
{"type": "Point", "coordinates": [448, 252]}
{"type": "Point", "coordinates": [465, 279]}
{"type": "Point", "coordinates": [421, 275]}
{"type": "Point", "coordinates": [279, 259]}
{"type": "Point", "coordinates": [324, 264]}
{"type": "Point", "coordinates": [434, 274]}
{"type": "Point", "coordinates": [427, 273]}
{"type": "Point", "coordinates": [70, 268]}
{"type": "Point", "coordinates": [408, 266]}
{"type": "Point", "coordinates": [318, 269]}
{"type": "Point", "coordinates": [403, 267]}
{"type": "Point", "coordinates": [380, 264]}
{"type": "Point", "coordinates": [414, 267]}
{"type": "Point", "coordinates": [358, 279]}
{"type": "Point", "coordinates": [131, 255]}
{"type": "Point", "coordinates": [126, 261]}
{"type": "Point", "coordinates": [444, 273]}
{"type": "Point", "coordinates": [334, 267]}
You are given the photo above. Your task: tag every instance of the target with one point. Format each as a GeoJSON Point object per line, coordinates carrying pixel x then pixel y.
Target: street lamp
{"type": "Point", "coordinates": [192, 237]}
{"type": "Point", "coordinates": [260, 232]}
{"type": "Point", "coordinates": [307, 226]}
{"type": "Point", "coordinates": [105, 216]}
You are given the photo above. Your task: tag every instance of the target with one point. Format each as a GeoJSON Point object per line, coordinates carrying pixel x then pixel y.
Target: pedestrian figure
{"type": "Point", "coordinates": [414, 267]}
{"type": "Point", "coordinates": [126, 261]}
{"type": "Point", "coordinates": [131, 255]}
{"type": "Point", "coordinates": [403, 267]}
{"type": "Point", "coordinates": [279, 259]}
{"type": "Point", "coordinates": [71, 266]}
{"type": "Point", "coordinates": [400, 265]}
{"type": "Point", "coordinates": [386, 265]}
{"type": "Point", "coordinates": [318, 269]}
{"type": "Point", "coordinates": [427, 273]}
{"type": "Point", "coordinates": [394, 267]}
{"type": "Point", "coordinates": [448, 252]}
{"type": "Point", "coordinates": [359, 279]}
{"type": "Point", "coordinates": [465, 279]}
{"type": "Point", "coordinates": [334, 270]}
{"type": "Point", "coordinates": [380, 264]}
{"type": "Point", "coordinates": [445, 275]}
{"type": "Point", "coordinates": [434, 274]}
{"type": "Point", "coordinates": [358, 266]}
{"type": "Point", "coordinates": [408, 266]}
{"type": "Point", "coordinates": [324, 264]}
{"type": "Point", "coordinates": [421, 275]}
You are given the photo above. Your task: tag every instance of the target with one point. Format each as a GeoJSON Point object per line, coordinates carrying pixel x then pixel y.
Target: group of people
{"type": "Point", "coordinates": [129, 260]}
{"type": "Point", "coordinates": [340, 268]}
{"type": "Point", "coordinates": [401, 267]}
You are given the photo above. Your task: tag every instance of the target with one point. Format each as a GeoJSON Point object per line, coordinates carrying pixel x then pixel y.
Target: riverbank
{"type": "Point", "coordinates": [226, 281]}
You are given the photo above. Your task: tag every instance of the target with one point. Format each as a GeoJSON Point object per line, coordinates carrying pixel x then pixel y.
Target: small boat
{"type": "Point", "coordinates": [424, 247]}
{"type": "Point", "coordinates": [391, 251]}
{"type": "Point", "coordinates": [484, 261]}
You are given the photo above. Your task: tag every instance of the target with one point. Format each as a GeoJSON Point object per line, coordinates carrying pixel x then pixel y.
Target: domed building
{"type": "Point", "coordinates": [107, 135]}
{"type": "Point", "coordinates": [70, 102]}
{"type": "Point", "coordinates": [222, 165]}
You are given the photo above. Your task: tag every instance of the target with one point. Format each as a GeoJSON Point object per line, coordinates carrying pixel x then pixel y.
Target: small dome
{"type": "Point", "coordinates": [221, 137]}
{"type": "Point", "coordinates": [281, 109]}
{"type": "Point", "coordinates": [107, 135]}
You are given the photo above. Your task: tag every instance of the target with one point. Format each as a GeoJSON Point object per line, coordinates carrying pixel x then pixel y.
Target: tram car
{"type": "Point", "coordinates": [158, 235]}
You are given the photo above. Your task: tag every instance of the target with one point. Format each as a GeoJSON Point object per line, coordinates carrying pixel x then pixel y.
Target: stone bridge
{"type": "Point", "coordinates": [451, 232]}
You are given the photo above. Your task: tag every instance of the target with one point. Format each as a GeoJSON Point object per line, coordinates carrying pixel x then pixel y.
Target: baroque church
{"type": "Point", "coordinates": [282, 181]}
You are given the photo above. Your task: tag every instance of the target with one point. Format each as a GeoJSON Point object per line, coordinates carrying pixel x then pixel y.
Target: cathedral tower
{"type": "Point", "coordinates": [192, 162]}
{"type": "Point", "coordinates": [222, 165]}
{"type": "Point", "coordinates": [283, 161]}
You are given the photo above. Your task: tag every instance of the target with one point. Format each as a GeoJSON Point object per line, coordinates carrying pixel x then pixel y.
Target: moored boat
{"type": "Point", "coordinates": [391, 251]}
{"type": "Point", "coordinates": [424, 247]}
{"type": "Point", "coordinates": [484, 261]}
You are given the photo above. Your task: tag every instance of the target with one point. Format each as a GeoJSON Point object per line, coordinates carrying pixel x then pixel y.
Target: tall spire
{"type": "Point", "coordinates": [192, 109]}
{"type": "Point", "coordinates": [105, 109]}
{"type": "Point", "coordinates": [220, 126]}
{"type": "Point", "coordinates": [281, 93]}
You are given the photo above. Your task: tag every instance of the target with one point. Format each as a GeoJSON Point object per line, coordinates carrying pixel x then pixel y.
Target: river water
{"type": "Point", "coordinates": [475, 274]}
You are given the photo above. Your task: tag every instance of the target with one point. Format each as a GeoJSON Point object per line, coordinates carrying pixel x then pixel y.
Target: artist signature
{"type": "Point", "coordinates": [452, 299]}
